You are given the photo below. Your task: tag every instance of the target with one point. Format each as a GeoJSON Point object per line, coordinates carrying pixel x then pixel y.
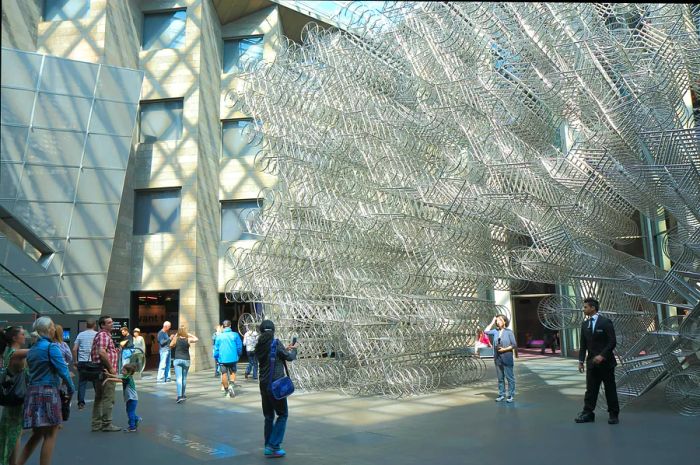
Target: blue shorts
{"type": "Point", "coordinates": [229, 367]}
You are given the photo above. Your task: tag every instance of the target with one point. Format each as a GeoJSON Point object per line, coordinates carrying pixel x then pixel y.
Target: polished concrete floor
{"type": "Point", "coordinates": [460, 426]}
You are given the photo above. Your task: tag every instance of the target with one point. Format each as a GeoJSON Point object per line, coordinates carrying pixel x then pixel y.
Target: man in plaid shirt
{"type": "Point", "coordinates": [104, 351]}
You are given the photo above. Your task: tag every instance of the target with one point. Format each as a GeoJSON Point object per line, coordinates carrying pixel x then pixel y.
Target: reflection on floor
{"type": "Point", "coordinates": [452, 427]}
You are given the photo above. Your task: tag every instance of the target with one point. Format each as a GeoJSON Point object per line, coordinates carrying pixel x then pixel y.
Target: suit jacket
{"type": "Point", "coordinates": [600, 341]}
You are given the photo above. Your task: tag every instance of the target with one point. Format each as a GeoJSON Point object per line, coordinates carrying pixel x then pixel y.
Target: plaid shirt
{"type": "Point", "coordinates": [103, 340]}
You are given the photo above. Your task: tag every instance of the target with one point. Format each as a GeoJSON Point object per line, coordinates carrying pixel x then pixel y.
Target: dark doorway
{"type": "Point", "coordinates": [149, 310]}
{"type": "Point", "coordinates": [530, 334]}
{"type": "Point", "coordinates": [234, 310]}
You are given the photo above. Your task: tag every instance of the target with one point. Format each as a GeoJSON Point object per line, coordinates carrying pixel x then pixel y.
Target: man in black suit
{"type": "Point", "coordinates": [598, 340]}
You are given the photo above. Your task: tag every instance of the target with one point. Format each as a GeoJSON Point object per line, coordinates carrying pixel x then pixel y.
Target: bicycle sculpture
{"type": "Point", "coordinates": [436, 151]}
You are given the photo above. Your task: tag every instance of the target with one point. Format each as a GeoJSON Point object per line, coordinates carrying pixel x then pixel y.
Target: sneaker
{"type": "Point", "coordinates": [510, 400]}
{"type": "Point", "coordinates": [180, 400]}
{"type": "Point", "coordinates": [130, 430]}
{"type": "Point", "coordinates": [81, 406]}
{"type": "Point", "coordinates": [278, 453]}
{"type": "Point", "coordinates": [268, 451]}
{"type": "Point", "coordinates": [111, 429]}
{"type": "Point", "coordinates": [231, 392]}
{"type": "Point", "coordinates": [222, 389]}
{"type": "Point", "coordinates": [500, 398]}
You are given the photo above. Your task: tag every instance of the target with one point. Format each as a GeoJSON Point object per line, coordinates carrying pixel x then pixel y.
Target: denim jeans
{"type": "Point", "coordinates": [274, 430]}
{"type": "Point", "coordinates": [131, 413]}
{"type": "Point", "coordinates": [504, 371]}
{"type": "Point", "coordinates": [164, 365]}
{"type": "Point", "coordinates": [252, 365]}
{"type": "Point", "coordinates": [82, 386]}
{"type": "Point", "coordinates": [181, 369]}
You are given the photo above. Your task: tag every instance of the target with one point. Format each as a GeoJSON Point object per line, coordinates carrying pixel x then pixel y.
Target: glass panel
{"type": "Point", "coordinates": [164, 30]}
{"type": "Point", "coordinates": [122, 85]}
{"type": "Point", "coordinates": [113, 118]}
{"type": "Point", "coordinates": [161, 121]}
{"type": "Point", "coordinates": [13, 139]}
{"type": "Point", "coordinates": [45, 219]}
{"type": "Point", "coordinates": [62, 112]}
{"type": "Point", "coordinates": [233, 219]}
{"type": "Point", "coordinates": [16, 106]}
{"type": "Point", "coordinates": [157, 212]}
{"type": "Point", "coordinates": [19, 69]}
{"type": "Point", "coordinates": [48, 184]}
{"type": "Point", "coordinates": [9, 180]}
{"type": "Point", "coordinates": [107, 151]}
{"type": "Point", "coordinates": [100, 185]}
{"type": "Point", "coordinates": [60, 10]}
{"type": "Point", "coordinates": [94, 220]}
{"type": "Point", "coordinates": [68, 77]}
{"type": "Point", "coordinates": [235, 139]}
{"type": "Point", "coordinates": [239, 52]}
{"type": "Point", "coordinates": [49, 147]}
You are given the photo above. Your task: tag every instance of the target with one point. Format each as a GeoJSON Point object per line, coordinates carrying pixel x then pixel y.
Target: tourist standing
{"type": "Point", "coordinates": [131, 397]}
{"type": "Point", "coordinates": [81, 355]}
{"type": "Point", "coordinates": [139, 356]}
{"type": "Point", "coordinates": [164, 344]}
{"type": "Point", "coordinates": [274, 430]}
{"type": "Point", "coordinates": [227, 350]}
{"type": "Point", "coordinates": [181, 359]}
{"type": "Point", "coordinates": [104, 351]}
{"type": "Point", "coordinates": [68, 358]}
{"type": "Point", "coordinates": [42, 406]}
{"type": "Point", "coordinates": [596, 354]}
{"type": "Point", "coordinates": [14, 360]}
{"type": "Point", "coordinates": [250, 339]}
{"type": "Point", "coordinates": [503, 346]}
{"type": "Point", "coordinates": [127, 345]}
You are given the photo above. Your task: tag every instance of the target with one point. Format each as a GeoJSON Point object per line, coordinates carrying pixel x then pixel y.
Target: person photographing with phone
{"type": "Point", "coordinates": [503, 346]}
{"type": "Point", "coordinates": [267, 349]}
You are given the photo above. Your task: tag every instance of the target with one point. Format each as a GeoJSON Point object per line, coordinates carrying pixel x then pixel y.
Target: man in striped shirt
{"type": "Point", "coordinates": [104, 351]}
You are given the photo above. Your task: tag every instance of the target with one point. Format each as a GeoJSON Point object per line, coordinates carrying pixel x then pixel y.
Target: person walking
{"type": "Point", "coordinates": [164, 344]}
{"type": "Point", "coordinates": [274, 430]}
{"type": "Point", "coordinates": [597, 359]}
{"type": "Point", "coordinates": [14, 360]}
{"type": "Point", "coordinates": [81, 356]}
{"type": "Point", "coordinates": [503, 346]}
{"type": "Point", "coordinates": [250, 339]}
{"type": "Point", "coordinates": [139, 356]}
{"type": "Point", "coordinates": [227, 350]}
{"type": "Point", "coordinates": [104, 351]}
{"type": "Point", "coordinates": [181, 359]}
{"type": "Point", "coordinates": [217, 368]}
{"type": "Point", "coordinates": [42, 405]}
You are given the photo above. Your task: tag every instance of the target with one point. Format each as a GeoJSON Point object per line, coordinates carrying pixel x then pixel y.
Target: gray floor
{"type": "Point", "coordinates": [454, 427]}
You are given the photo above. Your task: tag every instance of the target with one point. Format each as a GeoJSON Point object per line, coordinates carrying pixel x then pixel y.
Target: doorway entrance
{"type": "Point", "coordinates": [532, 337]}
{"type": "Point", "coordinates": [149, 310]}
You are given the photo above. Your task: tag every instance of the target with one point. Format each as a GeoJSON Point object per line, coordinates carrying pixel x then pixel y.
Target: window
{"type": "Point", "coordinates": [61, 10]}
{"type": "Point", "coordinates": [239, 52]}
{"type": "Point", "coordinates": [164, 30]}
{"type": "Point", "coordinates": [235, 139]}
{"type": "Point", "coordinates": [161, 121]}
{"type": "Point", "coordinates": [236, 216]}
{"type": "Point", "coordinates": [157, 211]}
{"type": "Point", "coordinates": [24, 238]}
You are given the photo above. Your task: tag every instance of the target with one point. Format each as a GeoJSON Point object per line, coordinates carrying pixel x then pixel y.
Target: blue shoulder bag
{"type": "Point", "coordinates": [283, 387]}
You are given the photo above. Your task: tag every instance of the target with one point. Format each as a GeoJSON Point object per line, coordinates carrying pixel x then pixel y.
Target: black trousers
{"type": "Point", "coordinates": [596, 374]}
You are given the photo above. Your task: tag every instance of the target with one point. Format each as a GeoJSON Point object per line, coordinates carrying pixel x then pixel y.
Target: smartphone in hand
{"type": "Point", "coordinates": [294, 340]}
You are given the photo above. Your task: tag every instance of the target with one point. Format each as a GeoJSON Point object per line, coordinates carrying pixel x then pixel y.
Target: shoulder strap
{"type": "Point", "coordinates": [273, 360]}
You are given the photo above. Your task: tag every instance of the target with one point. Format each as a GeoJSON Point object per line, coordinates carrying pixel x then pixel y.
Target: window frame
{"type": "Point", "coordinates": [250, 235]}
{"type": "Point", "coordinates": [228, 39]}
{"type": "Point", "coordinates": [160, 12]}
{"type": "Point", "coordinates": [164, 100]}
{"type": "Point", "coordinates": [233, 120]}
{"type": "Point", "coordinates": [44, 19]}
{"type": "Point", "coordinates": [177, 189]}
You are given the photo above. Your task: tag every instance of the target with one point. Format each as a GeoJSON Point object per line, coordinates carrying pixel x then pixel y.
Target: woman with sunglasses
{"type": "Point", "coordinates": [503, 346]}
